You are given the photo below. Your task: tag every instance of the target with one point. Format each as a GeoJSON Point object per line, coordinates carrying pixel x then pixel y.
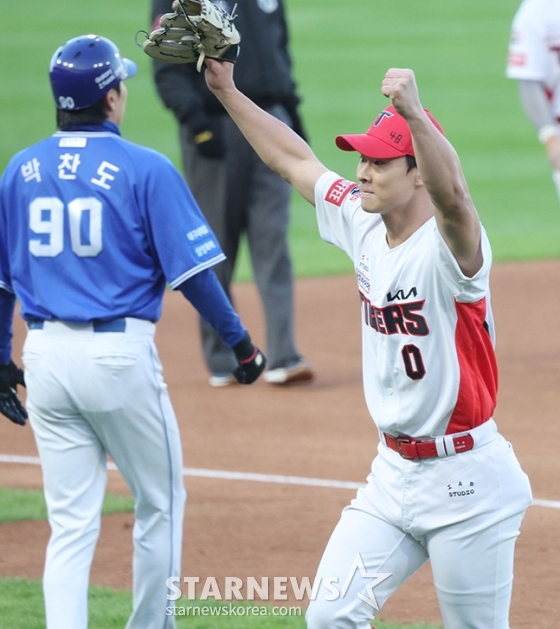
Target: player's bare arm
{"type": "Point", "coordinates": [440, 170]}
{"type": "Point", "coordinates": [277, 145]}
{"type": "Point", "coordinates": [539, 112]}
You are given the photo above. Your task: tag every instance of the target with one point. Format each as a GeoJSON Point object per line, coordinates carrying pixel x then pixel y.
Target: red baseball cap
{"type": "Point", "coordinates": [387, 138]}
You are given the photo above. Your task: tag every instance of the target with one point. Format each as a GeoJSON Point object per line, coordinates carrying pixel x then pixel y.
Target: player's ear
{"type": "Point", "coordinates": [418, 183]}
{"type": "Point", "coordinates": [113, 97]}
{"type": "Point", "coordinates": [110, 100]}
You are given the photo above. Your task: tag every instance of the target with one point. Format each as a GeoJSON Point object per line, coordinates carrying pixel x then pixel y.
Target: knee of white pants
{"type": "Point", "coordinates": [159, 508]}
{"type": "Point", "coordinates": [317, 617]}
{"type": "Point", "coordinates": [69, 528]}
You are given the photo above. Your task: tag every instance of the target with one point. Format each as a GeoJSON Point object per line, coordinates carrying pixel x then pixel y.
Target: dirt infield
{"type": "Point", "coordinates": [322, 430]}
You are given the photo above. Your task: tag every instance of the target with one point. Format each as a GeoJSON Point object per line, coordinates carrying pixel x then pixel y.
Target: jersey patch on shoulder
{"type": "Point", "coordinates": [203, 243]}
{"type": "Point", "coordinates": [340, 190]}
{"type": "Point", "coordinates": [76, 143]}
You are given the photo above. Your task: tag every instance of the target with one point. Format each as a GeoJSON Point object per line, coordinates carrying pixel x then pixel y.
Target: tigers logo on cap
{"type": "Point", "coordinates": [388, 137]}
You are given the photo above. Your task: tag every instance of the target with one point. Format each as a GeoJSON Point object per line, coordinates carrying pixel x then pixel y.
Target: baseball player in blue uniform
{"type": "Point", "coordinates": [92, 227]}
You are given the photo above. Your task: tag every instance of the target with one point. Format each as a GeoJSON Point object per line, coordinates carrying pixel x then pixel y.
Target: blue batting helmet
{"type": "Point", "coordinates": [84, 69]}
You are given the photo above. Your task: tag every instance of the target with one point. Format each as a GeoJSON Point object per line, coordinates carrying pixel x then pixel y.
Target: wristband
{"type": "Point", "coordinates": [548, 131]}
{"type": "Point", "coordinates": [244, 351]}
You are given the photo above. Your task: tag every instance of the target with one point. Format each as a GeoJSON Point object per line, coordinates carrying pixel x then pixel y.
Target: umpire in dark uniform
{"type": "Point", "coordinates": [235, 190]}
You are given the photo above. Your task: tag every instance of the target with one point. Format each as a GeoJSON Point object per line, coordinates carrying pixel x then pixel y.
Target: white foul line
{"type": "Point", "coordinates": [250, 476]}
{"type": "Point", "coordinates": [272, 478]}
{"type": "Point", "coordinates": [220, 474]}
{"type": "Point", "coordinates": [552, 504]}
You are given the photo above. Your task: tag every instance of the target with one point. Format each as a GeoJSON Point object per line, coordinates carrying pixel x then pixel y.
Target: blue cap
{"type": "Point", "coordinates": [84, 69]}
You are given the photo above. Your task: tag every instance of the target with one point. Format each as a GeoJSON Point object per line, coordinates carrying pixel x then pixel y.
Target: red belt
{"type": "Point", "coordinates": [410, 448]}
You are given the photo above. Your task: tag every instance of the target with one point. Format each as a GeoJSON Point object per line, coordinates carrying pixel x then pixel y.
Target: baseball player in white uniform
{"type": "Point", "coordinates": [534, 60]}
{"type": "Point", "coordinates": [445, 485]}
{"type": "Point", "coordinates": [92, 227]}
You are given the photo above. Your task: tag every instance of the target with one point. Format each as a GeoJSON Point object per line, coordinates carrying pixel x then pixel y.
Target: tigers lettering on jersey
{"type": "Point", "coordinates": [400, 318]}
{"type": "Point", "coordinates": [340, 190]}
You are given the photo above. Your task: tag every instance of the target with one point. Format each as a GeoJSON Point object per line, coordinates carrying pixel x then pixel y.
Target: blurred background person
{"type": "Point", "coordinates": [534, 60]}
{"type": "Point", "coordinates": [236, 191]}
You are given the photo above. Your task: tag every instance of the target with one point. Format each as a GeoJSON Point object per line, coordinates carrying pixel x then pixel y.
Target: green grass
{"type": "Point", "coordinates": [457, 49]}
{"type": "Point", "coordinates": [21, 607]}
{"type": "Point", "coordinates": [109, 608]}
{"type": "Point", "coordinates": [28, 504]}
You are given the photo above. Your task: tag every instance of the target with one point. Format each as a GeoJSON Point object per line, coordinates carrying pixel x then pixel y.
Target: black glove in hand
{"type": "Point", "coordinates": [10, 405]}
{"type": "Point", "coordinates": [251, 361]}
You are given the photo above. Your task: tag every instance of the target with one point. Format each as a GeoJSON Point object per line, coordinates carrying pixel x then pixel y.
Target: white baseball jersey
{"type": "Point", "coordinates": [534, 50]}
{"type": "Point", "coordinates": [429, 365]}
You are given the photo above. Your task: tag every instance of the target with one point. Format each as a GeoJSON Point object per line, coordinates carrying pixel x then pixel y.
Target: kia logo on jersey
{"type": "Point", "coordinates": [400, 294]}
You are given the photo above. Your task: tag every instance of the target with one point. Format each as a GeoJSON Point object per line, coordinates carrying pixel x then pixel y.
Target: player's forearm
{"type": "Point", "coordinates": [539, 112]}
{"type": "Point", "coordinates": [438, 165]}
{"type": "Point", "coordinates": [442, 175]}
{"type": "Point", "coordinates": [7, 305]}
{"type": "Point", "coordinates": [280, 148]}
{"type": "Point", "coordinates": [535, 104]}
{"type": "Point", "coordinates": [210, 300]}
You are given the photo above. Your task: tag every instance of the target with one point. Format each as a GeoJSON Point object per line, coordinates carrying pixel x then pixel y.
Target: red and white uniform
{"type": "Point", "coordinates": [534, 50]}
{"type": "Point", "coordinates": [429, 371]}
{"type": "Point", "coordinates": [428, 359]}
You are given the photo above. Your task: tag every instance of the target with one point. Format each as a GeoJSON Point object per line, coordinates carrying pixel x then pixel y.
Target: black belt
{"type": "Point", "coordinates": [114, 325]}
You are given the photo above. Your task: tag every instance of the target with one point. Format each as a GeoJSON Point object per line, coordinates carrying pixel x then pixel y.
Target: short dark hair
{"type": "Point", "coordinates": [410, 162]}
{"type": "Point", "coordinates": [94, 114]}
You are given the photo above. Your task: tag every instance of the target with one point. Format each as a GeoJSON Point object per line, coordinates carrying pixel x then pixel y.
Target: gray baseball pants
{"type": "Point", "coordinates": [240, 194]}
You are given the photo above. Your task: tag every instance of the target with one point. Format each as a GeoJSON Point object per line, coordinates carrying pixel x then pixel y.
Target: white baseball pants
{"type": "Point", "coordinates": [90, 394]}
{"type": "Point", "coordinates": [462, 512]}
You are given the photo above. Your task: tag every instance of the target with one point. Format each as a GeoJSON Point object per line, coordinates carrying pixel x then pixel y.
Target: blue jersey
{"type": "Point", "coordinates": [93, 226]}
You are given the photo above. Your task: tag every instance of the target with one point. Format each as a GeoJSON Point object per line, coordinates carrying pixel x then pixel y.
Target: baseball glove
{"type": "Point", "coordinates": [251, 361]}
{"type": "Point", "coordinates": [10, 405]}
{"type": "Point", "coordinates": [197, 29]}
